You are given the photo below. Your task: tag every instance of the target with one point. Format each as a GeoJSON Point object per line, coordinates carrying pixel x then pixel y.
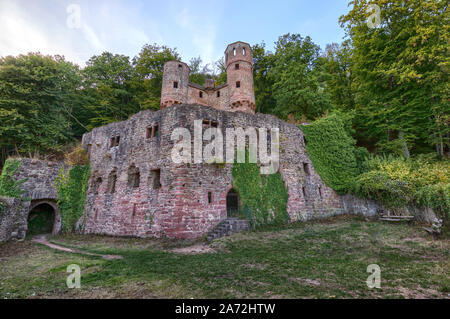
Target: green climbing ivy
{"type": "Point", "coordinates": [9, 186]}
{"type": "Point", "coordinates": [264, 197]}
{"type": "Point", "coordinates": [333, 152]}
{"type": "Point", "coordinates": [72, 188]}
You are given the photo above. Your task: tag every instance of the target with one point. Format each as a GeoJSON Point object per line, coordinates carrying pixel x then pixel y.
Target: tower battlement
{"type": "Point", "coordinates": [236, 95]}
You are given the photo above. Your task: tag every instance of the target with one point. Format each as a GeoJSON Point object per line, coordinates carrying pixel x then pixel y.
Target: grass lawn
{"type": "Point", "coordinates": [326, 259]}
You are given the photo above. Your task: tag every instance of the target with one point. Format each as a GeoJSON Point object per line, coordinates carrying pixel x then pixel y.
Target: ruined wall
{"type": "Point", "coordinates": [39, 178]}
{"type": "Point", "coordinates": [39, 188]}
{"type": "Point", "coordinates": [13, 218]}
{"type": "Point", "coordinates": [179, 207]}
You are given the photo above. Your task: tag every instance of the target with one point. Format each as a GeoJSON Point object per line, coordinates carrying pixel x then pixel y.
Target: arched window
{"type": "Point", "coordinates": [234, 51]}
{"type": "Point", "coordinates": [243, 51]}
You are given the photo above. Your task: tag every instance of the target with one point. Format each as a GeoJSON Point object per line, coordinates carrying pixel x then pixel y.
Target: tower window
{"type": "Point", "coordinates": [236, 66]}
{"type": "Point", "coordinates": [180, 66]}
{"type": "Point", "coordinates": [234, 51]}
{"type": "Point", "coordinates": [200, 94]}
{"type": "Point", "coordinates": [218, 93]}
{"type": "Point", "coordinates": [304, 193]}
{"type": "Point", "coordinates": [175, 85]}
{"type": "Point", "coordinates": [243, 51]}
{"type": "Point", "coordinates": [214, 124]}
{"type": "Point", "coordinates": [238, 84]}
{"type": "Point", "coordinates": [320, 191]}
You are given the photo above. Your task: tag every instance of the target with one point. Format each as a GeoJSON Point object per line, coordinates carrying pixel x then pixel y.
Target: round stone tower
{"type": "Point", "coordinates": [175, 83]}
{"type": "Point", "coordinates": [239, 67]}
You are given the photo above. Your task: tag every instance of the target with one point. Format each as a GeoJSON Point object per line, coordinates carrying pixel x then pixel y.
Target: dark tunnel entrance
{"type": "Point", "coordinates": [41, 220]}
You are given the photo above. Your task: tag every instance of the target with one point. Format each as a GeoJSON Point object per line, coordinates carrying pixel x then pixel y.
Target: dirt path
{"type": "Point", "coordinates": [42, 239]}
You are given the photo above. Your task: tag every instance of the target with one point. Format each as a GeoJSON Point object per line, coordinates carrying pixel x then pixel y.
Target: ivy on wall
{"type": "Point", "coordinates": [263, 197]}
{"type": "Point", "coordinates": [9, 186]}
{"type": "Point", "coordinates": [333, 152]}
{"type": "Point", "coordinates": [72, 188]}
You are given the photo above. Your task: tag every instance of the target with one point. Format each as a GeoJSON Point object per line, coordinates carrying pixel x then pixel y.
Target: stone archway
{"type": "Point", "coordinates": [43, 205]}
{"type": "Point", "coordinates": [232, 203]}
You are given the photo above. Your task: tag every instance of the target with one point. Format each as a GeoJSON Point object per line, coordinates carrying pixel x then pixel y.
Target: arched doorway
{"type": "Point", "coordinates": [43, 218]}
{"type": "Point", "coordinates": [232, 203]}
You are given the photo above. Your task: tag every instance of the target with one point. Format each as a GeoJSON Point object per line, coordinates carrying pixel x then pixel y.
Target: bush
{"type": "Point", "coordinates": [423, 181]}
{"type": "Point", "coordinates": [77, 156]}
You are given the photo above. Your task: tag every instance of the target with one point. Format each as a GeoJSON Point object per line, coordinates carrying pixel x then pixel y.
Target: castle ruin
{"type": "Point", "coordinates": [136, 189]}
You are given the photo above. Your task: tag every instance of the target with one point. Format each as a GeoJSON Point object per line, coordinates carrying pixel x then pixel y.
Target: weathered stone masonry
{"type": "Point", "coordinates": [39, 188]}
{"type": "Point", "coordinates": [178, 205]}
{"type": "Point", "coordinates": [135, 189]}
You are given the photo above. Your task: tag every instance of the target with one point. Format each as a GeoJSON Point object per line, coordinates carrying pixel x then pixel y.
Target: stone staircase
{"type": "Point", "coordinates": [228, 227]}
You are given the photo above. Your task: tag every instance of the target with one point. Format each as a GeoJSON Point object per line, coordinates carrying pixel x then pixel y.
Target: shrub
{"type": "Point", "coordinates": [77, 156]}
{"type": "Point", "coordinates": [423, 181]}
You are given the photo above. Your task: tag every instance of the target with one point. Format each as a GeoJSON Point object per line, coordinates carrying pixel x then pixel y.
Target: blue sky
{"type": "Point", "coordinates": [195, 28]}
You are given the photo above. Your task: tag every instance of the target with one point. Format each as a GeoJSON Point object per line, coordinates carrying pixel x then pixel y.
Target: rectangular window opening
{"type": "Point", "coordinates": [306, 168]}
{"type": "Point", "coordinates": [200, 94]}
{"type": "Point", "coordinates": [155, 179]}
{"type": "Point", "coordinates": [175, 85]}
{"type": "Point", "coordinates": [155, 132]}
{"type": "Point", "coordinates": [209, 197]}
{"type": "Point", "coordinates": [236, 66]}
{"type": "Point", "coordinates": [238, 84]}
{"type": "Point", "coordinates": [218, 93]}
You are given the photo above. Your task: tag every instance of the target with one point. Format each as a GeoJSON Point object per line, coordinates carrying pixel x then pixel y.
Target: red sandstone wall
{"type": "Point", "coordinates": [180, 208]}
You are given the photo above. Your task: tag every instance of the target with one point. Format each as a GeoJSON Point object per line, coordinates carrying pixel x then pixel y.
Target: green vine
{"type": "Point", "coordinates": [264, 197]}
{"type": "Point", "coordinates": [9, 186]}
{"type": "Point", "coordinates": [72, 188]}
{"type": "Point", "coordinates": [333, 152]}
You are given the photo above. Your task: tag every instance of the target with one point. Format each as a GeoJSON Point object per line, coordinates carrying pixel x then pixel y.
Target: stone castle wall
{"type": "Point", "coordinates": [179, 207]}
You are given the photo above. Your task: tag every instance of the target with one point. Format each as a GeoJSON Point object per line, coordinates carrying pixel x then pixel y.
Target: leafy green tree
{"type": "Point", "coordinates": [339, 77]}
{"type": "Point", "coordinates": [108, 85]}
{"type": "Point", "coordinates": [149, 69]}
{"type": "Point", "coordinates": [37, 95]}
{"type": "Point", "coordinates": [262, 63]}
{"type": "Point", "coordinates": [298, 79]}
{"type": "Point", "coordinates": [400, 71]}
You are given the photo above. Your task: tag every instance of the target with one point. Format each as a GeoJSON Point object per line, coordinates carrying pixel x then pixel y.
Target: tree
{"type": "Point", "coordinates": [339, 77]}
{"type": "Point", "coordinates": [108, 85]}
{"type": "Point", "coordinates": [298, 79]}
{"type": "Point", "coordinates": [36, 94]}
{"type": "Point", "coordinates": [149, 70]}
{"type": "Point", "coordinates": [262, 63]}
{"type": "Point", "coordinates": [400, 74]}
